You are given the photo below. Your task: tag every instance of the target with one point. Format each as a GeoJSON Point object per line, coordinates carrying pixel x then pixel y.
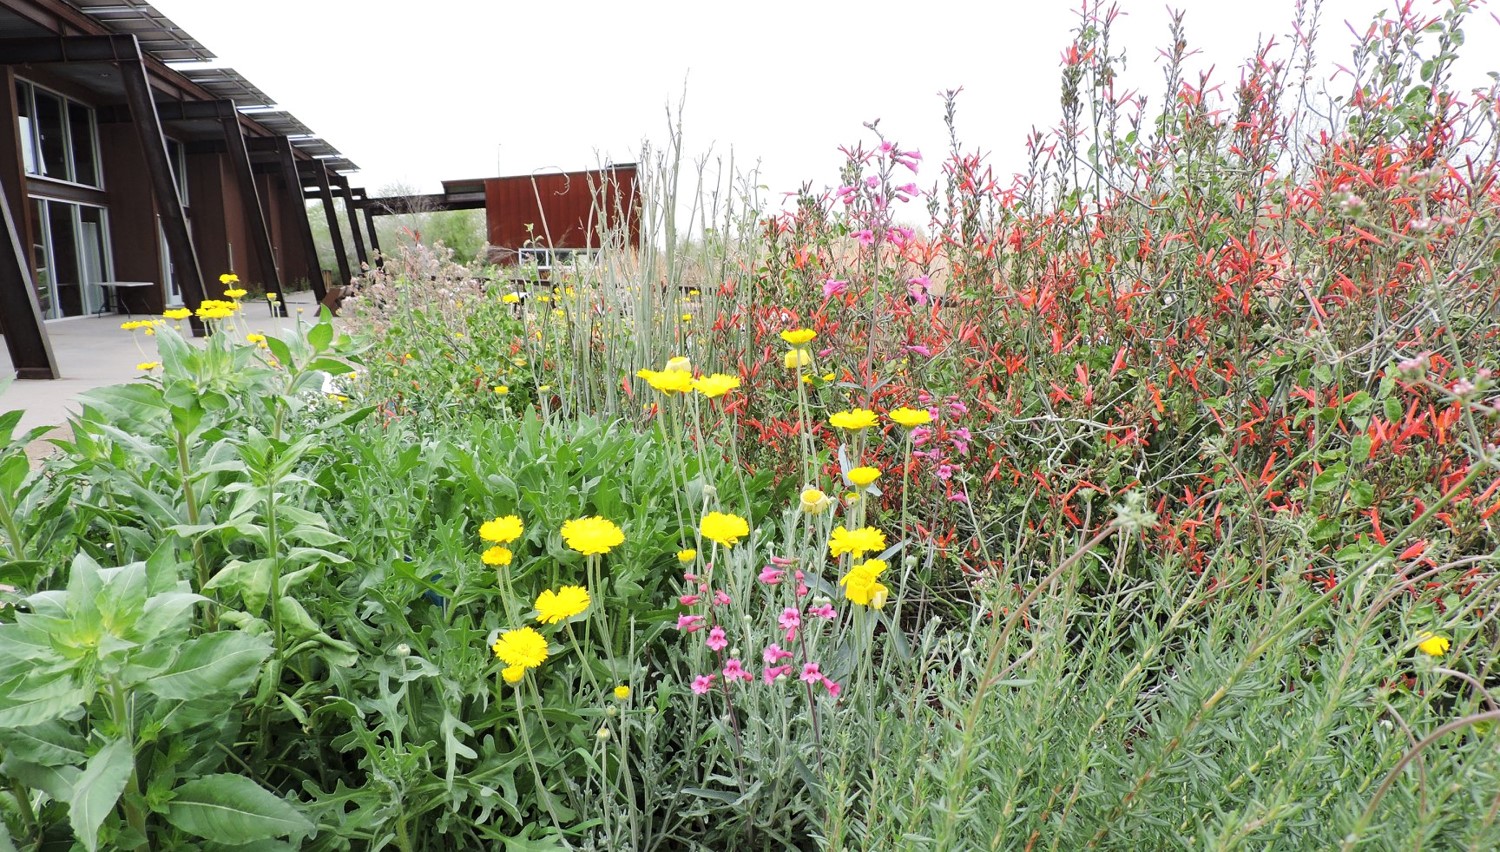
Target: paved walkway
{"type": "Point", "coordinates": [94, 351]}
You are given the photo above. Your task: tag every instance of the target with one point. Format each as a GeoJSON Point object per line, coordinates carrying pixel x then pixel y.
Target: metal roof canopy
{"type": "Point", "coordinates": [280, 122]}
{"type": "Point", "coordinates": [339, 164]}
{"type": "Point", "coordinates": [231, 85]}
{"type": "Point", "coordinates": [157, 34]}
{"type": "Point", "coordinates": [314, 146]}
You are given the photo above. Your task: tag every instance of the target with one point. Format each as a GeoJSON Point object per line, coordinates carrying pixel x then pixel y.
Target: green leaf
{"type": "Point", "coordinates": [218, 662]}
{"type": "Point", "coordinates": [47, 744]}
{"type": "Point", "coordinates": [97, 789]}
{"type": "Point", "coordinates": [232, 809]}
{"type": "Point", "coordinates": [25, 701]}
{"type": "Point", "coordinates": [251, 579]}
{"type": "Point", "coordinates": [320, 335]}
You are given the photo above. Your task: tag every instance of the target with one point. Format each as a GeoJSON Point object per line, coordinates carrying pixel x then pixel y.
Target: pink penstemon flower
{"type": "Point", "coordinates": [774, 654]}
{"type": "Point", "coordinates": [790, 620]}
{"type": "Point", "coordinates": [735, 670]}
{"type": "Point", "coordinates": [802, 589]}
{"type": "Point", "coordinates": [866, 237]}
{"type": "Point", "coordinates": [824, 611]}
{"type": "Point", "coordinates": [702, 684]}
{"type": "Point", "coordinates": [833, 287]}
{"type": "Point", "coordinates": [771, 674]}
{"type": "Point", "coordinates": [688, 600]}
{"type": "Point", "coordinates": [716, 640]}
{"type": "Point", "coordinates": [811, 673]}
{"type": "Point", "coordinates": [771, 575]}
{"type": "Point", "coordinates": [721, 598]}
{"type": "Point", "coordinates": [690, 623]}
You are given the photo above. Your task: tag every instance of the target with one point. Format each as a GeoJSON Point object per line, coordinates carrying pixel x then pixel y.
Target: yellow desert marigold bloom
{"type": "Point", "coordinates": [862, 584]}
{"type": "Point", "coordinates": [501, 389]}
{"type": "Point", "coordinates": [1432, 644]}
{"type": "Point", "coordinates": [522, 647]}
{"type": "Point", "coordinates": [503, 530]}
{"type": "Point", "coordinates": [796, 358]}
{"type": "Point", "coordinates": [177, 313]}
{"type": "Point", "coordinates": [814, 501]}
{"type": "Point", "coordinates": [716, 385]}
{"type": "Point", "coordinates": [668, 381]}
{"type": "Point", "coordinates": [255, 338]}
{"type": "Point", "coordinates": [799, 337]}
{"type": "Point", "coordinates": [147, 366]}
{"type": "Point", "coordinates": [863, 476]}
{"type": "Point", "coordinates": [622, 693]}
{"type": "Point", "coordinates": [723, 528]}
{"type": "Point", "coordinates": [681, 364]}
{"type": "Point", "coordinates": [856, 542]}
{"type": "Point", "coordinates": [510, 298]}
{"type": "Point", "coordinates": [513, 674]}
{"type": "Point", "coordinates": [499, 556]}
{"type": "Point", "coordinates": [229, 278]}
{"type": "Point", "coordinates": [910, 417]}
{"type": "Point", "coordinates": [235, 293]}
{"type": "Point", "coordinates": [591, 536]}
{"type": "Point", "coordinates": [854, 418]}
{"type": "Point", "coordinates": [686, 556]}
{"type": "Point", "coordinates": [566, 602]}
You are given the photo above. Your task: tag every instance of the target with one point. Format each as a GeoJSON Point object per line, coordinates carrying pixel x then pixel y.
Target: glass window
{"type": "Point", "coordinates": [177, 157]}
{"type": "Point", "coordinates": [26, 127]}
{"type": "Point", "coordinates": [52, 136]}
{"type": "Point", "coordinates": [81, 131]}
{"type": "Point", "coordinates": [40, 260]}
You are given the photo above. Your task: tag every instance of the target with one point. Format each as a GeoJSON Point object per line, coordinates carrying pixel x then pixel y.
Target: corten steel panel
{"type": "Point", "coordinates": [559, 207]}
{"type": "Point", "coordinates": [134, 237]}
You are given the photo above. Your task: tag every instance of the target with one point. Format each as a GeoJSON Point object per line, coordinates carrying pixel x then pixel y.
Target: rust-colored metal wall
{"type": "Point", "coordinates": [559, 208]}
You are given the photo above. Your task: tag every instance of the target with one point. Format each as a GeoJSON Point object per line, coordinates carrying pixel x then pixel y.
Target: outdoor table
{"type": "Point", "coordinates": [111, 286]}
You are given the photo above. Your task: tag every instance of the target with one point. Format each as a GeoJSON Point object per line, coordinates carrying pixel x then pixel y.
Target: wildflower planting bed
{"type": "Point", "coordinates": [1144, 500]}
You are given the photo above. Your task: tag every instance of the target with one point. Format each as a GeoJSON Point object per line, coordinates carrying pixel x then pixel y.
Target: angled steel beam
{"type": "Point", "coordinates": [334, 231]}
{"type": "Point", "coordinates": [293, 181]}
{"type": "Point", "coordinates": [20, 313]}
{"type": "Point", "coordinates": [370, 226]}
{"type": "Point", "coordinates": [255, 214]}
{"type": "Point", "coordinates": [359, 239]}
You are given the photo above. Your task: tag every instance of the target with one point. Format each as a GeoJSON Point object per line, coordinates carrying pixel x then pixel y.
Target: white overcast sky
{"type": "Point", "coordinates": [418, 91]}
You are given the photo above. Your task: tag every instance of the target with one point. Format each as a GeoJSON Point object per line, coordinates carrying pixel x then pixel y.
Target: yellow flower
{"type": "Point", "coordinates": [132, 325]}
{"type": "Point", "coordinates": [796, 358]}
{"type": "Point", "coordinates": [681, 364]}
{"type": "Point", "coordinates": [725, 529]}
{"type": "Point", "coordinates": [255, 338]}
{"type": "Point", "coordinates": [799, 337]}
{"type": "Point", "coordinates": [272, 297]}
{"type": "Point", "coordinates": [716, 385]}
{"type": "Point", "coordinates": [686, 556]}
{"type": "Point", "coordinates": [235, 293]}
{"type": "Point", "coordinates": [559, 312]}
{"type": "Point", "coordinates": [910, 417]}
{"type": "Point", "coordinates": [622, 693]}
{"type": "Point", "coordinates": [522, 647]}
{"type": "Point", "coordinates": [543, 388]}
{"type": "Point", "coordinates": [695, 292]}
{"type": "Point", "coordinates": [498, 556]}
{"type": "Point", "coordinates": [513, 674]}
{"type": "Point", "coordinates": [591, 536]}
{"type": "Point", "coordinates": [1432, 644]}
{"type": "Point", "coordinates": [510, 298]}
{"type": "Point", "coordinates": [503, 530]}
{"type": "Point", "coordinates": [856, 542]}
{"type": "Point", "coordinates": [854, 418]}
{"type": "Point", "coordinates": [518, 361]}
{"type": "Point", "coordinates": [862, 584]}
{"type": "Point", "coordinates": [566, 602]}
{"type": "Point", "coordinates": [814, 501]}
{"type": "Point", "coordinates": [544, 298]}
{"type": "Point", "coordinates": [687, 317]}
{"type": "Point", "coordinates": [147, 366]}
{"type": "Point", "coordinates": [502, 389]}
{"type": "Point", "coordinates": [177, 314]}
{"type": "Point", "coordinates": [863, 476]}
{"type": "Point", "coordinates": [229, 278]}
{"type": "Point", "coordinates": [668, 381]}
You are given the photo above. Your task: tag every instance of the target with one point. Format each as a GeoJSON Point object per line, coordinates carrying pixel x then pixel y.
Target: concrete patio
{"type": "Point", "coordinates": [94, 351]}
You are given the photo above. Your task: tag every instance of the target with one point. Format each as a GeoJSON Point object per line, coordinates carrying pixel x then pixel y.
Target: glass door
{"type": "Point", "coordinates": [71, 255]}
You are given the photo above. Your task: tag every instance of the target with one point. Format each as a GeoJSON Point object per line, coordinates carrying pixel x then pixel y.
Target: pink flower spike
{"type": "Point", "coordinates": [771, 576]}
{"type": "Point", "coordinates": [782, 562]}
{"type": "Point", "coordinates": [771, 674]}
{"type": "Point", "coordinates": [811, 673]}
{"type": "Point", "coordinates": [920, 348]}
{"type": "Point", "coordinates": [716, 640]}
{"type": "Point", "coordinates": [866, 237]}
{"type": "Point", "coordinates": [774, 654]}
{"type": "Point", "coordinates": [833, 688]}
{"type": "Point", "coordinates": [958, 497]}
{"type": "Point", "coordinates": [790, 619]}
{"type": "Point", "coordinates": [702, 684]}
{"type": "Point", "coordinates": [721, 598]}
{"type": "Point", "coordinates": [823, 611]}
{"type": "Point", "coordinates": [910, 189]}
{"type": "Point", "coordinates": [734, 670]}
{"type": "Point", "coordinates": [872, 181]}
{"type": "Point", "coordinates": [824, 353]}
{"type": "Point", "coordinates": [690, 623]}
{"type": "Point", "coordinates": [689, 577]}
{"type": "Point", "coordinates": [688, 600]}
{"type": "Point", "coordinates": [833, 287]}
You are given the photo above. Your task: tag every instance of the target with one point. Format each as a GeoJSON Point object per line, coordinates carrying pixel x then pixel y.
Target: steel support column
{"type": "Point", "coordinates": [370, 226]}
{"type": "Point", "coordinates": [255, 214]}
{"type": "Point", "coordinates": [335, 233]}
{"type": "Point", "coordinates": [20, 313]}
{"type": "Point", "coordinates": [294, 189]}
{"type": "Point", "coordinates": [359, 239]}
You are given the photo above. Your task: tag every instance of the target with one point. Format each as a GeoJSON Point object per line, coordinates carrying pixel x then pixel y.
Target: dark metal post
{"type": "Point", "coordinates": [370, 224]}
{"type": "Point", "coordinates": [359, 239]}
{"type": "Point", "coordinates": [20, 313]}
{"type": "Point", "coordinates": [293, 180]}
{"type": "Point", "coordinates": [335, 234]}
{"type": "Point", "coordinates": [163, 185]}
{"type": "Point", "coordinates": [260, 234]}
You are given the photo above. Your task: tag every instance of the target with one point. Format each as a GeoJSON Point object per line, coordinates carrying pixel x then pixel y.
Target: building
{"type": "Point", "coordinates": [539, 218]}
{"type": "Point", "coordinates": [136, 172]}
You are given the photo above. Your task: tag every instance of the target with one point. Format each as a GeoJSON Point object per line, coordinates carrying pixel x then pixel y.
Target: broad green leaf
{"type": "Point", "coordinates": [55, 781]}
{"type": "Point", "coordinates": [320, 335]}
{"type": "Point", "coordinates": [47, 744]}
{"type": "Point", "coordinates": [28, 700]}
{"type": "Point", "coordinates": [232, 809]}
{"type": "Point", "coordinates": [218, 662]}
{"type": "Point", "coordinates": [97, 789]}
{"type": "Point", "coordinates": [252, 580]}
